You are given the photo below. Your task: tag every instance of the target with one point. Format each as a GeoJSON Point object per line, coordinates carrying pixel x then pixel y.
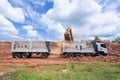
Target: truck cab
{"type": "Point", "coordinates": [102, 49]}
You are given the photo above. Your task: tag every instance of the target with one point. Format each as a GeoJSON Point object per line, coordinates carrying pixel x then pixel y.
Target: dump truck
{"type": "Point", "coordinates": [24, 49]}
{"type": "Point", "coordinates": [68, 47]}
{"type": "Point", "coordinates": [71, 48]}
{"type": "Point", "coordinates": [81, 48]}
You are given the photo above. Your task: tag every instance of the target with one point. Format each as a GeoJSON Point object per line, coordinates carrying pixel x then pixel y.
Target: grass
{"type": "Point", "coordinates": [71, 71]}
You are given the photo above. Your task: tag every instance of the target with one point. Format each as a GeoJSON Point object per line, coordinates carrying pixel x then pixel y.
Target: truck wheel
{"type": "Point", "coordinates": [29, 55]}
{"type": "Point", "coordinates": [44, 55]}
{"type": "Point", "coordinates": [64, 55]}
{"type": "Point", "coordinates": [94, 55]}
{"type": "Point", "coordinates": [70, 55]}
{"type": "Point", "coordinates": [78, 55]}
{"type": "Point", "coordinates": [16, 55]}
{"type": "Point", "coordinates": [104, 54]}
{"type": "Point", "coordinates": [24, 55]}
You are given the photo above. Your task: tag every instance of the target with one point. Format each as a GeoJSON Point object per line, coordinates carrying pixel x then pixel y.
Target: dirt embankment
{"type": "Point", "coordinates": [6, 58]}
{"type": "Point", "coordinates": [5, 50]}
{"type": "Point", "coordinates": [114, 49]}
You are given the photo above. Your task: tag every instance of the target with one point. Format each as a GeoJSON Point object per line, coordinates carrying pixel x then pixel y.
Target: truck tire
{"type": "Point", "coordinates": [29, 55]}
{"type": "Point", "coordinates": [78, 55]}
{"type": "Point", "coordinates": [70, 55]}
{"type": "Point", "coordinates": [104, 54]}
{"type": "Point", "coordinates": [16, 55]}
{"type": "Point", "coordinates": [13, 55]}
{"type": "Point", "coordinates": [64, 55]}
{"type": "Point", "coordinates": [25, 55]}
{"type": "Point", "coordinates": [44, 55]}
{"type": "Point", "coordinates": [94, 55]}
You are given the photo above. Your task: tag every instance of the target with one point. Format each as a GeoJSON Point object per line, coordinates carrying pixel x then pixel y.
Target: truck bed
{"type": "Point", "coordinates": [75, 50]}
{"type": "Point", "coordinates": [78, 47]}
{"type": "Point", "coordinates": [30, 46]}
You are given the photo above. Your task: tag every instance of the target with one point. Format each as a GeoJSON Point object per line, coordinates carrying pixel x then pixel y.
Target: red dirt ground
{"type": "Point", "coordinates": [6, 57]}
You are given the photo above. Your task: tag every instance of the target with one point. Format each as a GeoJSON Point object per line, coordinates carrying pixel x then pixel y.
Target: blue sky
{"type": "Point", "coordinates": [48, 19]}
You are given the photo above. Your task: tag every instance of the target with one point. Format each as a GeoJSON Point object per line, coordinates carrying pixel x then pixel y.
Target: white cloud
{"type": "Point", "coordinates": [66, 13]}
{"type": "Point", "coordinates": [7, 12]}
{"type": "Point", "coordinates": [7, 28]}
{"type": "Point", "coordinates": [32, 16]}
{"type": "Point", "coordinates": [109, 5]}
{"type": "Point", "coordinates": [86, 17]}
{"type": "Point", "coordinates": [103, 24]}
{"type": "Point", "coordinates": [52, 26]}
{"type": "Point", "coordinates": [15, 14]}
{"type": "Point", "coordinates": [75, 11]}
{"type": "Point", "coordinates": [30, 31]}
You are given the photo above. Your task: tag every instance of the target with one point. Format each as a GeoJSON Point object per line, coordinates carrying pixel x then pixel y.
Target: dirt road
{"type": "Point", "coordinates": [54, 60]}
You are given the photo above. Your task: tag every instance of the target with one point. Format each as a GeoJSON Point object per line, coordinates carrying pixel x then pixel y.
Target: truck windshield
{"type": "Point", "coordinates": [103, 45]}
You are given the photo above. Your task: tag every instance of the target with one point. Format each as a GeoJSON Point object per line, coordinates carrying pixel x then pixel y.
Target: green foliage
{"type": "Point", "coordinates": [71, 71]}
{"type": "Point", "coordinates": [21, 75]}
{"type": "Point", "coordinates": [96, 38]}
{"type": "Point", "coordinates": [117, 39]}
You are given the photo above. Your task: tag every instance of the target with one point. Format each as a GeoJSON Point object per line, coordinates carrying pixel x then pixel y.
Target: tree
{"type": "Point", "coordinates": [96, 38]}
{"type": "Point", "coordinates": [117, 39]}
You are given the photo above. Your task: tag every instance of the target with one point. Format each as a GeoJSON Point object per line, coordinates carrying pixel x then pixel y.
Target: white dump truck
{"type": "Point", "coordinates": [78, 49]}
{"type": "Point", "coordinates": [24, 49]}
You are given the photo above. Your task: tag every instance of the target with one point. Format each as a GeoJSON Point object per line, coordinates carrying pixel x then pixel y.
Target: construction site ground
{"type": "Point", "coordinates": [6, 59]}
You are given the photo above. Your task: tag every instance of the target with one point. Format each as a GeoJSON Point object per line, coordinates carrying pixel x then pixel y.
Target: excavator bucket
{"type": "Point", "coordinates": [68, 34]}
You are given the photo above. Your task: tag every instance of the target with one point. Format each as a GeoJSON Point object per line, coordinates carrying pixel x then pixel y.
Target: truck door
{"type": "Point", "coordinates": [103, 49]}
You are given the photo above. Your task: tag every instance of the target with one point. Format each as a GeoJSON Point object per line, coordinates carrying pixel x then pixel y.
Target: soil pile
{"type": "Point", "coordinates": [114, 49]}
{"type": "Point", "coordinates": [5, 49]}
